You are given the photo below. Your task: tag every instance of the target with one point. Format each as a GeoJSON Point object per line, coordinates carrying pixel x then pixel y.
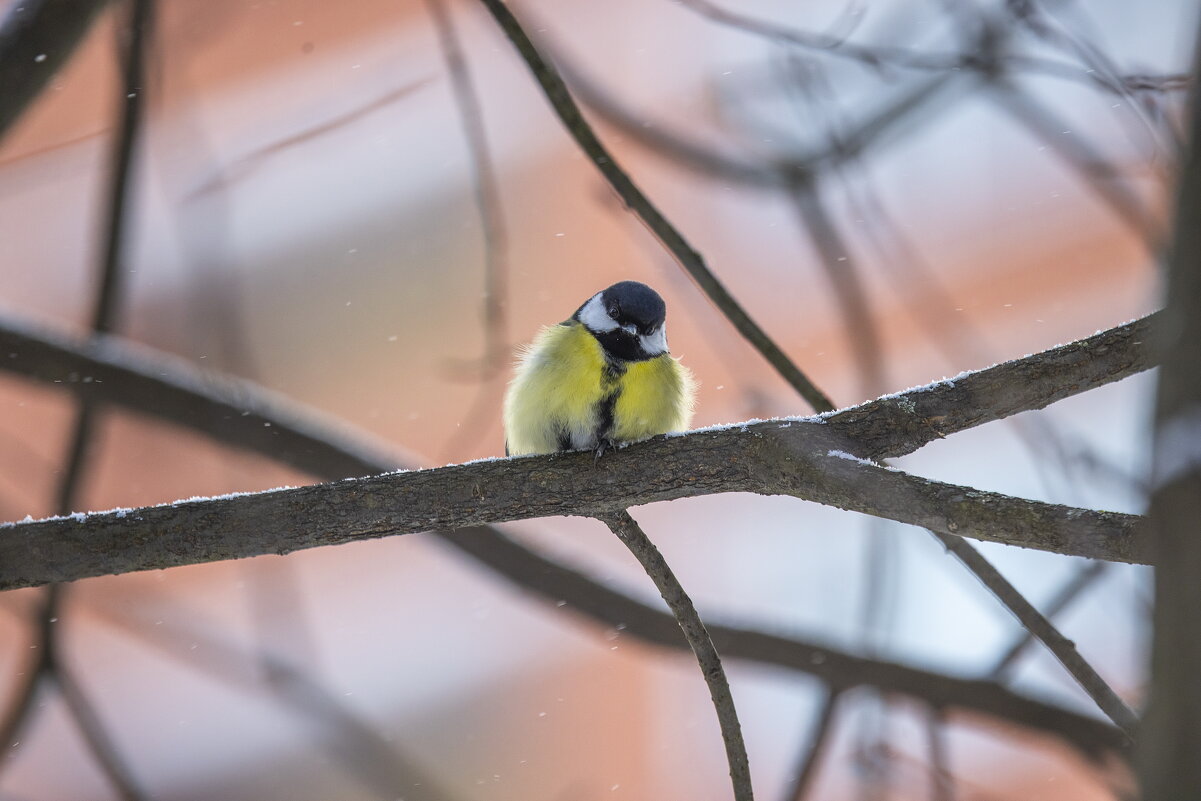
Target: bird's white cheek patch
{"type": "Point", "coordinates": [594, 316]}
{"type": "Point", "coordinates": [656, 343]}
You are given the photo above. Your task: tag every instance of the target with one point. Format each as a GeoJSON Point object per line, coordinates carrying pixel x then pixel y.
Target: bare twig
{"type": "Point", "coordinates": [565, 107]}
{"type": "Point", "coordinates": [1081, 580]}
{"type": "Point", "coordinates": [840, 671]}
{"type": "Point", "coordinates": [840, 268]}
{"type": "Point", "coordinates": [1034, 17]}
{"type": "Point", "coordinates": [496, 354]}
{"type": "Point", "coordinates": [814, 747]}
{"type": "Point", "coordinates": [487, 193]}
{"type": "Point", "coordinates": [1037, 624]}
{"type": "Point", "coordinates": [113, 267]}
{"type": "Point", "coordinates": [246, 164]}
{"type": "Point", "coordinates": [682, 608]}
{"type": "Point", "coordinates": [776, 174]}
{"type": "Point", "coordinates": [881, 56]}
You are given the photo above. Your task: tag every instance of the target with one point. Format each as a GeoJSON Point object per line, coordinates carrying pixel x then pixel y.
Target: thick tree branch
{"type": "Point", "coordinates": [902, 423]}
{"type": "Point", "coordinates": [772, 458]}
{"type": "Point", "coordinates": [244, 416]}
{"type": "Point", "coordinates": [796, 457]}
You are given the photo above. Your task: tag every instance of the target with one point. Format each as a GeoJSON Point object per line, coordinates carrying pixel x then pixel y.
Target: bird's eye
{"type": "Point", "coordinates": [614, 310]}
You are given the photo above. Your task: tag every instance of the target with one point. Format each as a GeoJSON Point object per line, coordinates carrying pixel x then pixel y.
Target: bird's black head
{"type": "Point", "coordinates": [627, 319]}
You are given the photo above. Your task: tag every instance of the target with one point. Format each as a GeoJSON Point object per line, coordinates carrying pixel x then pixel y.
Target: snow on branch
{"type": "Point", "coordinates": [785, 457]}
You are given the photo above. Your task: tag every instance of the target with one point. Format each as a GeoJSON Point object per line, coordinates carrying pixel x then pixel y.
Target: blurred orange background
{"type": "Point", "coordinates": [304, 217]}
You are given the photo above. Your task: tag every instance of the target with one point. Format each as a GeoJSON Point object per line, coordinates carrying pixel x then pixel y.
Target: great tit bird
{"type": "Point", "coordinates": [602, 378]}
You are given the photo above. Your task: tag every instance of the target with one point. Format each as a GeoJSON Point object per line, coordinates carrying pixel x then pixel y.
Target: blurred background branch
{"type": "Point", "coordinates": [892, 191]}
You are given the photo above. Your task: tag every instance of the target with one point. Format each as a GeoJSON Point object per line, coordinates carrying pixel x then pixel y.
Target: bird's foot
{"type": "Point", "coordinates": [602, 446]}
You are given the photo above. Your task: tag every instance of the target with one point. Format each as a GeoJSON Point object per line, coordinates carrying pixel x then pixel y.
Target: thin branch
{"type": "Point", "coordinates": [942, 780]}
{"type": "Point", "coordinates": [682, 608]}
{"type": "Point", "coordinates": [875, 56]}
{"type": "Point", "coordinates": [112, 267]}
{"type": "Point", "coordinates": [880, 56]}
{"type": "Point", "coordinates": [569, 113]}
{"type": "Point", "coordinates": [678, 144]}
{"type": "Point", "coordinates": [780, 173]}
{"type": "Point", "coordinates": [96, 735]}
{"type": "Point", "coordinates": [113, 262]}
{"type": "Point", "coordinates": [488, 204]}
{"type": "Point", "coordinates": [1037, 624]}
{"type": "Point", "coordinates": [37, 670]}
{"type": "Point", "coordinates": [487, 191]}
{"type": "Point", "coordinates": [814, 747]}
{"type": "Point", "coordinates": [38, 38]}
{"type": "Point", "coordinates": [245, 165]}
{"type": "Point", "coordinates": [837, 261]}
{"type": "Point", "coordinates": [1081, 580]}
{"type": "Point", "coordinates": [576, 593]}
{"type": "Point", "coordinates": [1096, 61]}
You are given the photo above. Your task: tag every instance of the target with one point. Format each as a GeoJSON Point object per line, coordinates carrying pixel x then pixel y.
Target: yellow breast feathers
{"type": "Point", "coordinates": [567, 395]}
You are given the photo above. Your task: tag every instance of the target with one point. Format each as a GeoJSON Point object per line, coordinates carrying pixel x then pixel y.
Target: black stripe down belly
{"type": "Point", "coordinates": [611, 382]}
